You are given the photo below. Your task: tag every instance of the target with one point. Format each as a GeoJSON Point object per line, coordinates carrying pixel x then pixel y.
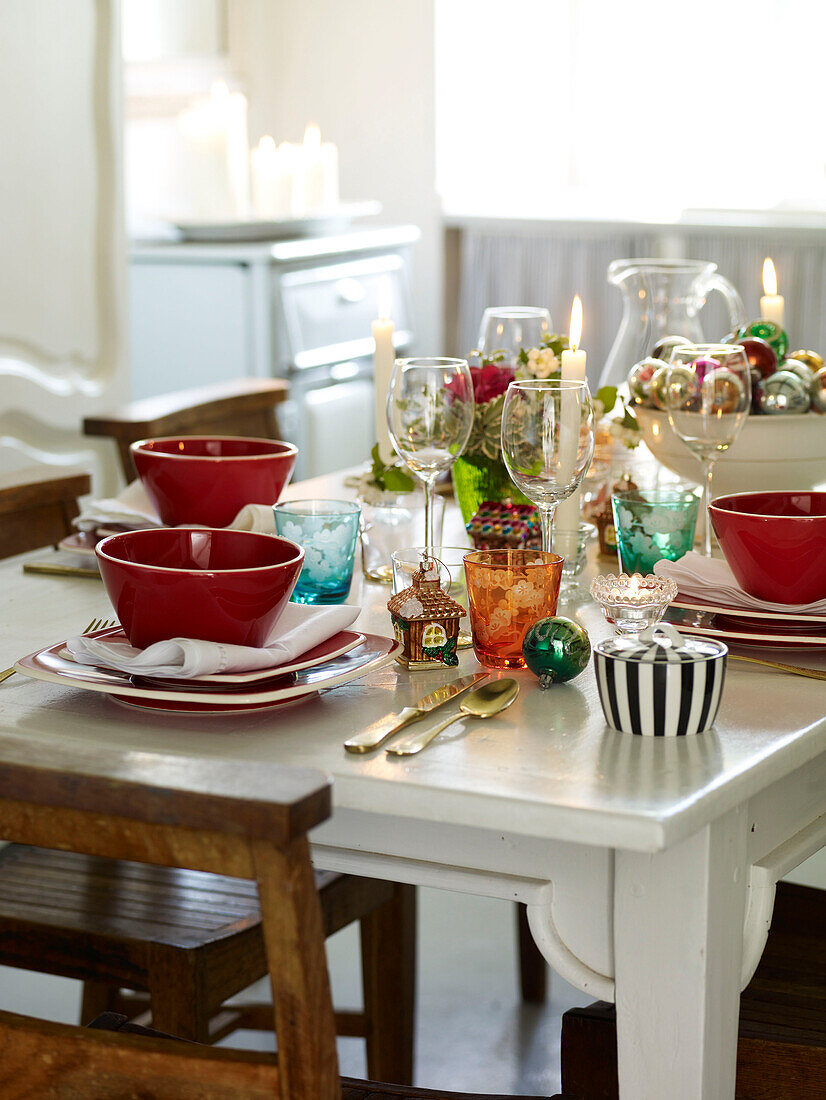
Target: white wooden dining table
{"type": "Point", "coordinates": [648, 865]}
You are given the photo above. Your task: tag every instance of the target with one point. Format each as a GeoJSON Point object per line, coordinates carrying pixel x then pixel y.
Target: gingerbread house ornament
{"type": "Point", "coordinates": [426, 620]}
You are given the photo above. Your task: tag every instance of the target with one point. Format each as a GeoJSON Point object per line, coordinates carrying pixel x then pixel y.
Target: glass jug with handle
{"type": "Point", "coordinates": [662, 298]}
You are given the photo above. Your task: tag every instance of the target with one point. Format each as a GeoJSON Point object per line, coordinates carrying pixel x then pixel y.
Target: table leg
{"type": "Point", "coordinates": [678, 941]}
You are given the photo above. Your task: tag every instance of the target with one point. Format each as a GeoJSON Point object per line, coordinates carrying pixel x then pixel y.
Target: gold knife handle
{"type": "Point", "coordinates": [60, 570]}
{"type": "Point", "coordinates": [375, 736]}
{"type": "Point", "coordinates": [419, 741]}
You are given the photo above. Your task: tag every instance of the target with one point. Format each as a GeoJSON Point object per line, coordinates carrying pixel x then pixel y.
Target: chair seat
{"type": "Point", "coordinates": [366, 1090]}
{"type": "Point", "coordinates": [89, 912]}
{"type": "Point", "coordinates": [351, 1089]}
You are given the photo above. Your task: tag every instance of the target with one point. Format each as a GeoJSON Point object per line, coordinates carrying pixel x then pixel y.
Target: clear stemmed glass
{"type": "Point", "coordinates": [430, 415]}
{"type": "Point", "coordinates": [707, 397]}
{"type": "Point", "coordinates": [547, 441]}
{"type": "Point", "coordinates": [506, 329]}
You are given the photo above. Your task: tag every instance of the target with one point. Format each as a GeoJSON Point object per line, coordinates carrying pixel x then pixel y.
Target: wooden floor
{"type": "Point", "coordinates": [473, 1034]}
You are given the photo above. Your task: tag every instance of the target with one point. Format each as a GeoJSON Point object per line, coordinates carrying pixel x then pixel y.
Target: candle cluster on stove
{"type": "Point", "coordinates": [289, 180]}
{"type": "Point", "coordinates": [223, 180]}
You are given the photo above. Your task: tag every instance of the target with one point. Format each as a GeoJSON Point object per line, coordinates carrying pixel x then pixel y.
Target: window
{"type": "Point", "coordinates": [642, 109]}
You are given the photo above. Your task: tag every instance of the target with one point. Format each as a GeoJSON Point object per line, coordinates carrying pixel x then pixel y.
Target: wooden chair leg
{"type": "Point", "coordinates": [388, 964]}
{"type": "Point", "coordinates": [177, 1007]}
{"type": "Point", "coordinates": [533, 970]}
{"type": "Point", "coordinates": [98, 997]}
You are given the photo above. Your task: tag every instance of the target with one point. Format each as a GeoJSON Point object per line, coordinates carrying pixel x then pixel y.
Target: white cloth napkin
{"type": "Point", "coordinates": [133, 508]}
{"type": "Point", "coordinates": [712, 581]}
{"type": "Point", "coordinates": [299, 629]}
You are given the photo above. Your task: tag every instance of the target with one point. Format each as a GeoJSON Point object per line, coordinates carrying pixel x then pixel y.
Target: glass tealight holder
{"type": "Point", "coordinates": [573, 546]}
{"type": "Point", "coordinates": [631, 603]}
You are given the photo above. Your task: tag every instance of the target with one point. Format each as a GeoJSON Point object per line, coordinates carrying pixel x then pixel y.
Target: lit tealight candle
{"type": "Point", "coordinates": [772, 304]}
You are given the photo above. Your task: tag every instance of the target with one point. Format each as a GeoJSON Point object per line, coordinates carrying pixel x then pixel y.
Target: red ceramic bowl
{"type": "Point", "coordinates": [775, 543]}
{"type": "Point", "coordinates": [209, 479]}
{"type": "Point", "coordinates": [222, 586]}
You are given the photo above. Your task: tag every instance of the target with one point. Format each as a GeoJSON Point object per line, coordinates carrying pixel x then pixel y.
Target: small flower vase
{"type": "Point", "coordinates": [477, 478]}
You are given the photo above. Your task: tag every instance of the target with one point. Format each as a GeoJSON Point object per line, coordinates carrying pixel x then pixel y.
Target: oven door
{"type": "Point", "coordinates": [330, 417]}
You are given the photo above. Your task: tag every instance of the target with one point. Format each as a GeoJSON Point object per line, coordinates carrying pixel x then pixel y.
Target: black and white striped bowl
{"type": "Point", "coordinates": [660, 684]}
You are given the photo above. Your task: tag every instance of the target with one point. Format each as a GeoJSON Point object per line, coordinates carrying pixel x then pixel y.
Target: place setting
{"type": "Point", "coordinates": [218, 613]}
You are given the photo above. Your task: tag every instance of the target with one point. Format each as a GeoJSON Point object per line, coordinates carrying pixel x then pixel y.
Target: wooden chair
{"type": "Point", "coordinates": [186, 941]}
{"type": "Point", "coordinates": [212, 816]}
{"type": "Point", "coordinates": [244, 406]}
{"type": "Point", "coordinates": [37, 506]}
{"type": "Point", "coordinates": [781, 1049]}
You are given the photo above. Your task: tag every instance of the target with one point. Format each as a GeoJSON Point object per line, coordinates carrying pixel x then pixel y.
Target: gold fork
{"type": "Point", "coordinates": [95, 624]}
{"type": "Point", "coordinates": [798, 670]}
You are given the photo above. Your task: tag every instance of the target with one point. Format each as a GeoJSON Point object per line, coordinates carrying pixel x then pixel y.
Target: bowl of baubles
{"type": "Point", "coordinates": [782, 444]}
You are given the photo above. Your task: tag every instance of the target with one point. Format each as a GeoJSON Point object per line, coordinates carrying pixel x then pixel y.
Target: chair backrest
{"type": "Point", "coordinates": [243, 406]}
{"type": "Point", "coordinates": [37, 507]}
{"type": "Point", "coordinates": [218, 816]}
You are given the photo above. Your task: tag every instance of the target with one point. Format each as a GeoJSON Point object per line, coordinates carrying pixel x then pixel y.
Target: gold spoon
{"type": "Point", "coordinates": [483, 702]}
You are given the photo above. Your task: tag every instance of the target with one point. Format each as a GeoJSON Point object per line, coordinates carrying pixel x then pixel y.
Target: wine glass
{"type": "Point", "coordinates": [547, 441]}
{"type": "Point", "coordinates": [506, 329]}
{"type": "Point", "coordinates": [707, 397]}
{"type": "Point", "coordinates": [430, 415]}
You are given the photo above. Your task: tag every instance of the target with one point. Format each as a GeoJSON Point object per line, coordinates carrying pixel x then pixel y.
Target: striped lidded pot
{"type": "Point", "coordinates": [660, 684]}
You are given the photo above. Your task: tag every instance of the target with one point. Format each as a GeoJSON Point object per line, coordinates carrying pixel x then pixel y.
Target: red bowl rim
{"type": "Point", "coordinates": [722, 503]}
{"type": "Point", "coordinates": [100, 550]}
{"type": "Point", "coordinates": [287, 448]}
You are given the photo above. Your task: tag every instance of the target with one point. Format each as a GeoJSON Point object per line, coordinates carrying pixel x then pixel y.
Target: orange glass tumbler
{"type": "Point", "coordinates": [508, 591]}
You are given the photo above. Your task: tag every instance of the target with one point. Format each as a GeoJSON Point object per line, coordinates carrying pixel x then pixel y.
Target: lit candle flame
{"type": "Point", "coordinates": [266, 146]}
{"type": "Point", "coordinates": [633, 586]}
{"type": "Point", "coordinates": [769, 277]}
{"type": "Point", "coordinates": [312, 137]}
{"type": "Point", "coordinates": [575, 331]}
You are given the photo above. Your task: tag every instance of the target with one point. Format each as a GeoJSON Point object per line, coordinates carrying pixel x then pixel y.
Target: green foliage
{"type": "Point", "coordinates": [391, 479]}
{"type": "Point", "coordinates": [607, 397]}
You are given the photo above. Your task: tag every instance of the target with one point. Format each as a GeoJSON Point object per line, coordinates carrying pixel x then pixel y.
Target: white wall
{"type": "Point", "coordinates": [62, 259]}
{"type": "Point", "coordinates": [363, 70]}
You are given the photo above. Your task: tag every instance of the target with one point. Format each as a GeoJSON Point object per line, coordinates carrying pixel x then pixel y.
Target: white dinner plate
{"type": "Point", "coordinates": [334, 647]}
{"type": "Point", "coordinates": [50, 664]}
{"type": "Point", "coordinates": [752, 632]}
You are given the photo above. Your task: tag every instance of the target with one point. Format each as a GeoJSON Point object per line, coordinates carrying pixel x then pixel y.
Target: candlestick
{"type": "Point", "coordinates": [275, 180]}
{"type": "Point", "coordinates": [567, 516]}
{"type": "Point", "coordinates": [320, 171]}
{"type": "Point", "coordinates": [213, 156]}
{"type": "Point", "coordinates": [772, 304]}
{"type": "Point", "coordinates": [384, 358]}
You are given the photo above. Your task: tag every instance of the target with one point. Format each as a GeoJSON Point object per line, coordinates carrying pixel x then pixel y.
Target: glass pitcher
{"type": "Point", "coordinates": [662, 298]}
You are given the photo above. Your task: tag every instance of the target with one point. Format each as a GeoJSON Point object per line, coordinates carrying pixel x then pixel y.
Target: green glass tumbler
{"type": "Point", "coordinates": [652, 525]}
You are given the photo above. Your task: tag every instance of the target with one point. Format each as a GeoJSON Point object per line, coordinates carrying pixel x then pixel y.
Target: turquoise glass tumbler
{"type": "Point", "coordinates": [652, 525]}
{"type": "Point", "coordinates": [328, 531]}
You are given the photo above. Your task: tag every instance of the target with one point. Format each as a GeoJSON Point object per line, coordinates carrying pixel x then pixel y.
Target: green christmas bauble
{"type": "Point", "coordinates": [556, 650]}
{"type": "Point", "coordinates": [770, 332]}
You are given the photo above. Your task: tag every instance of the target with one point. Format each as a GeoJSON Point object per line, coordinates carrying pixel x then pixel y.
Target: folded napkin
{"type": "Point", "coordinates": [133, 508]}
{"type": "Point", "coordinates": [712, 581]}
{"type": "Point", "coordinates": [300, 628]}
